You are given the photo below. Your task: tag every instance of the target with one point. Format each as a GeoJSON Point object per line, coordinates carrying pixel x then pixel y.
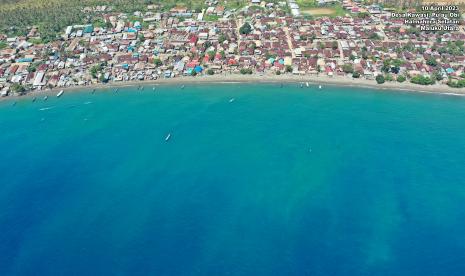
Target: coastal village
{"type": "Point", "coordinates": [262, 38]}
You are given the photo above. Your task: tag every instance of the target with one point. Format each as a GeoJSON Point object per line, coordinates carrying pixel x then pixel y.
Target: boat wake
{"type": "Point", "coordinates": [46, 108]}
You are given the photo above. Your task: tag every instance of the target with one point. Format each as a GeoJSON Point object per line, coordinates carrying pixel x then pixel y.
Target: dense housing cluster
{"type": "Point", "coordinates": [261, 38]}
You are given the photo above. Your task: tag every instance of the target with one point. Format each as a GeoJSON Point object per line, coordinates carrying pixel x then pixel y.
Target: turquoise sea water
{"type": "Point", "coordinates": [281, 181]}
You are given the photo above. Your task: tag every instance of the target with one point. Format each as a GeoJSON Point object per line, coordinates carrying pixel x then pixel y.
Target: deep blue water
{"type": "Point", "coordinates": [282, 181]}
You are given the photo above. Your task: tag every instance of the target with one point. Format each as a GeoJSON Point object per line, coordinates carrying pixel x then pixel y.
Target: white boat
{"type": "Point", "coordinates": [320, 87]}
{"type": "Point", "coordinates": [153, 89]}
{"type": "Point", "coordinates": [307, 84]}
{"type": "Point", "coordinates": [45, 98]}
{"type": "Point", "coordinates": [168, 137]}
{"type": "Point", "coordinates": [231, 100]}
{"type": "Point", "coordinates": [60, 93]}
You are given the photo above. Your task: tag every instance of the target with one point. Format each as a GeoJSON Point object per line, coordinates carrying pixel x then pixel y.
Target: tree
{"type": "Point", "coordinates": [348, 68]}
{"type": "Point", "coordinates": [423, 80]}
{"type": "Point", "coordinates": [386, 66]}
{"type": "Point", "coordinates": [94, 70]}
{"type": "Point", "coordinates": [334, 45]}
{"type": "Point", "coordinates": [157, 62]}
{"type": "Point", "coordinates": [193, 73]}
{"type": "Point", "coordinates": [278, 72]}
{"type": "Point", "coordinates": [388, 77]}
{"type": "Point", "coordinates": [246, 71]}
{"type": "Point", "coordinates": [438, 76]}
{"type": "Point", "coordinates": [245, 29]}
{"type": "Point", "coordinates": [210, 72]}
{"type": "Point", "coordinates": [363, 15]}
{"type": "Point", "coordinates": [222, 38]}
{"type": "Point", "coordinates": [288, 69]}
{"type": "Point", "coordinates": [18, 88]}
{"type": "Point", "coordinates": [432, 62]}
{"type": "Point", "coordinates": [356, 75]}
{"type": "Point", "coordinates": [211, 55]}
{"type": "Point", "coordinates": [380, 79]}
{"type": "Point", "coordinates": [401, 78]}
{"type": "Point", "coordinates": [374, 36]}
{"type": "Point", "coordinates": [456, 84]}
{"type": "Point", "coordinates": [102, 78]}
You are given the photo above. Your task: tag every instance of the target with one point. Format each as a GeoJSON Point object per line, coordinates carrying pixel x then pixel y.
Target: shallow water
{"type": "Point", "coordinates": [281, 181]}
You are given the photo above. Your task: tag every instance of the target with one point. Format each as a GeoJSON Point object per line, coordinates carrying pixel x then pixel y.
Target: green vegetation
{"type": "Point", "coordinates": [245, 29]}
{"type": "Point", "coordinates": [222, 38]}
{"type": "Point", "coordinates": [356, 75]}
{"type": "Point", "coordinates": [432, 62]}
{"type": "Point", "coordinates": [52, 16]}
{"type": "Point", "coordinates": [307, 3]}
{"type": "Point", "coordinates": [438, 76]}
{"type": "Point", "coordinates": [423, 80]}
{"type": "Point", "coordinates": [374, 36]}
{"type": "Point", "coordinates": [157, 62]}
{"type": "Point", "coordinates": [95, 70]}
{"type": "Point", "coordinates": [401, 78]}
{"type": "Point", "coordinates": [211, 17]}
{"type": "Point", "coordinates": [246, 71]}
{"type": "Point", "coordinates": [18, 88]}
{"type": "Point", "coordinates": [288, 69]}
{"type": "Point", "coordinates": [348, 68]}
{"type": "Point", "coordinates": [210, 72]}
{"type": "Point", "coordinates": [36, 41]}
{"type": "Point", "coordinates": [380, 79]}
{"type": "Point", "coordinates": [237, 4]}
{"type": "Point", "coordinates": [391, 66]}
{"type": "Point", "coordinates": [309, 12]}
{"type": "Point", "coordinates": [456, 84]}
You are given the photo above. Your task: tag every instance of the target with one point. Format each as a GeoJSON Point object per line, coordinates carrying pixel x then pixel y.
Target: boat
{"type": "Point", "coordinates": [14, 103]}
{"type": "Point", "coordinates": [153, 89]}
{"type": "Point", "coordinates": [60, 93]}
{"type": "Point", "coordinates": [93, 91]}
{"type": "Point", "coordinates": [281, 85]}
{"type": "Point", "coordinates": [168, 137]}
{"type": "Point", "coordinates": [45, 98]}
{"type": "Point", "coordinates": [182, 87]}
{"type": "Point", "coordinates": [301, 85]}
{"type": "Point", "coordinates": [34, 99]}
{"type": "Point", "coordinates": [320, 87]}
{"type": "Point", "coordinates": [306, 84]}
{"type": "Point", "coordinates": [116, 90]}
{"type": "Point", "coordinates": [231, 100]}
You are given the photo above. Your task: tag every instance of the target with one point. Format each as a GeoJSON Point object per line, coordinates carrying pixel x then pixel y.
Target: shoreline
{"type": "Point", "coordinates": [441, 89]}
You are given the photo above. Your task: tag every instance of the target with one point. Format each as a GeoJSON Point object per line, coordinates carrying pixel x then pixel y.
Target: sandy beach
{"type": "Point", "coordinates": [267, 78]}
